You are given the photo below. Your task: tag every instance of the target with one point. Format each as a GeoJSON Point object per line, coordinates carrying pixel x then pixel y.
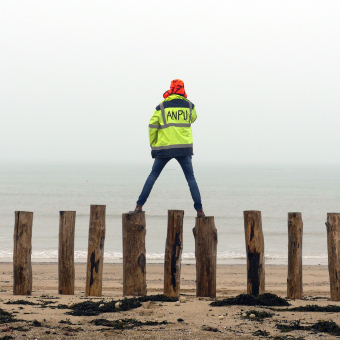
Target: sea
{"type": "Point", "coordinates": [226, 189]}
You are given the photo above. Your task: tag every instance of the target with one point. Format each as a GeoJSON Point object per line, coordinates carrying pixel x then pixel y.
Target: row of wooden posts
{"type": "Point", "coordinates": [134, 260]}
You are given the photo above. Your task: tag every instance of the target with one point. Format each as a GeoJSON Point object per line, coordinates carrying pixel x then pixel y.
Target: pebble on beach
{"type": "Point", "coordinates": [182, 299]}
{"type": "Point", "coordinates": [118, 304]}
{"type": "Point", "coordinates": [177, 303]}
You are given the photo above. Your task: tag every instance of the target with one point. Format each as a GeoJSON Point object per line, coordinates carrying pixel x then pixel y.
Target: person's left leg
{"type": "Point", "coordinates": [186, 165]}
{"type": "Point", "coordinates": [157, 168]}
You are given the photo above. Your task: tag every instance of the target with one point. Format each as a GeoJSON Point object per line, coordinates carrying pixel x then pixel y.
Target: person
{"type": "Point", "coordinates": [170, 137]}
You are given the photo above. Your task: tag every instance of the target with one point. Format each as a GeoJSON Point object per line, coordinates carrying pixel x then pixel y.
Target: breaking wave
{"type": "Point", "coordinates": [6, 255]}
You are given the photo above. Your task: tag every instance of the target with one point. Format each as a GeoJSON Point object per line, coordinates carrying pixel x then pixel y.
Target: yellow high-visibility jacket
{"type": "Point", "coordinates": [170, 132]}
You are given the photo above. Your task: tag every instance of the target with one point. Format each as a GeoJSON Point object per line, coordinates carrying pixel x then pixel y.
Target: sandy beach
{"type": "Point", "coordinates": [194, 319]}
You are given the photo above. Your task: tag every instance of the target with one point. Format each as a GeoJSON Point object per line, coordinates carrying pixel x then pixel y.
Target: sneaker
{"type": "Point", "coordinates": [200, 213]}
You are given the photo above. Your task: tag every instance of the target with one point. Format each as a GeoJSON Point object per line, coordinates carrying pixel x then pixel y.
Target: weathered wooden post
{"type": "Point", "coordinates": [294, 278]}
{"type": "Point", "coordinates": [333, 242]}
{"type": "Point", "coordinates": [134, 261]}
{"type": "Point", "coordinates": [95, 256]}
{"type": "Point", "coordinates": [22, 267]}
{"type": "Point", "coordinates": [205, 235]}
{"type": "Point", "coordinates": [173, 253]}
{"type": "Point", "coordinates": [66, 276]}
{"type": "Point", "coordinates": [255, 252]}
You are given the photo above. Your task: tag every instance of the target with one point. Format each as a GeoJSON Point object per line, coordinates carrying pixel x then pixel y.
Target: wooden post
{"type": "Point", "coordinates": [255, 252]}
{"type": "Point", "coordinates": [294, 278]}
{"type": "Point", "coordinates": [173, 253]}
{"type": "Point", "coordinates": [205, 235]}
{"type": "Point", "coordinates": [333, 242]}
{"type": "Point", "coordinates": [22, 267]}
{"type": "Point", "coordinates": [134, 261]}
{"type": "Point", "coordinates": [95, 256]}
{"type": "Point", "coordinates": [66, 276]}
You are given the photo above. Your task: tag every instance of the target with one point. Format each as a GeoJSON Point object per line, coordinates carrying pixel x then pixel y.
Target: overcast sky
{"type": "Point", "coordinates": [80, 79]}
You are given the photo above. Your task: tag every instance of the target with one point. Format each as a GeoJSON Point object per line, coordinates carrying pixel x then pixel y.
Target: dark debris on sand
{"type": "Point", "coordinates": [260, 332]}
{"type": "Point", "coordinates": [288, 337]}
{"type": "Point", "coordinates": [322, 326]}
{"type": "Point", "coordinates": [292, 326]}
{"type": "Point", "coordinates": [125, 323]}
{"type": "Point", "coordinates": [210, 329]}
{"type": "Point", "coordinates": [21, 328]}
{"type": "Point", "coordinates": [259, 315]}
{"type": "Point", "coordinates": [7, 337]}
{"type": "Point", "coordinates": [90, 308]}
{"type": "Point", "coordinates": [266, 299]}
{"type": "Point", "coordinates": [329, 327]}
{"type": "Point", "coordinates": [67, 322]}
{"type": "Point", "coordinates": [50, 297]}
{"type": "Point", "coordinates": [45, 304]}
{"type": "Point", "coordinates": [36, 323]}
{"type": "Point", "coordinates": [6, 317]}
{"type": "Point", "coordinates": [312, 308]}
{"type": "Point", "coordinates": [21, 302]}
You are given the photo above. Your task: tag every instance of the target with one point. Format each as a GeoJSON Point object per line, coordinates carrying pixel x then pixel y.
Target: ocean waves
{"type": "Point", "coordinates": [51, 255]}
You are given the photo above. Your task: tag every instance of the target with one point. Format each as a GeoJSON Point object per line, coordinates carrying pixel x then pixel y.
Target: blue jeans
{"type": "Point", "coordinates": [158, 166]}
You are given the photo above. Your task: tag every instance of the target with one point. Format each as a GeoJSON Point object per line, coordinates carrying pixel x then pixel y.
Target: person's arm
{"type": "Point", "coordinates": [193, 115]}
{"type": "Point", "coordinates": [153, 128]}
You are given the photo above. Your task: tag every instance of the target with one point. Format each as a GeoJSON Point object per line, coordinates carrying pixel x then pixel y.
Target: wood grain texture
{"type": "Point", "coordinates": [66, 275]}
{"type": "Point", "coordinates": [333, 243]}
{"type": "Point", "coordinates": [173, 253]}
{"type": "Point", "coordinates": [134, 254]}
{"type": "Point", "coordinates": [255, 252]}
{"type": "Point", "coordinates": [205, 234]}
{"type": "Point", "coordinates": [95, 256]}
{"type": "Point", "coordinates": [294, 277]}
{"type": "Point", "coordinates": [22, 267]}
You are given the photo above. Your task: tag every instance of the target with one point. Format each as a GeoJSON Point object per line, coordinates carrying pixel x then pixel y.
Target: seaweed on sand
{"type": "Point", "coordinates": [6, 317]}
{"type": "Point", "coordinates": [292, 326]}
{"type": "Point", "coordinates": [49, 297]}
{"type": "Point", "coordinates": [90, 308]}
{"type": "Point", "coordinates": [312, 308]}
{"type": "Point", "coordinates": [322, 326]}
{"type": "Point", "coordinates": [157, 298]}
{"type": "Point", "coordinates": [20, 328]}
{"type": "Point", "coordinates": [210, 329]}
{"type": "Point", "coordinates": [126, 323]}
{"type": "Point", "coordinates": [42, 303]}
{"type": "Point", "coordinates": [7, 337]}
{"type": "Point", "coordinates": [260, 332]}
{"type": "Point", "coordinates": [21, 302]}
{"type": "Point", "coordinates": [67, 322]}
{"type": "Point", "coordinates": [288, 337]}
{"type": "Point", "coordinates": [259, 315]}
{"type": "Point", "coordinates": [329, 327]}
{"type": "Point", "coordinates": [36, 323]}
{"type": "Point", "coordinates": [266, 299]}
{"type": "Point", "coordinates": [45, 304]}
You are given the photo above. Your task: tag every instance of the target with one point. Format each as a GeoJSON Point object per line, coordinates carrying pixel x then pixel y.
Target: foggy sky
{"type": "Point", "coordinates": [80, 79]}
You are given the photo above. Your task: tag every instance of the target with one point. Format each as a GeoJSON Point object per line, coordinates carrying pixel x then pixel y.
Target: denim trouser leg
{"type": "Point", "coordinates": [186, 164]}
{"type": "Point", "coordinates": [157, 168]}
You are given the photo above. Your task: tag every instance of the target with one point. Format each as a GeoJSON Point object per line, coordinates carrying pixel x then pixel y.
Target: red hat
{"type": "Point", "coordinates": [176, 86]}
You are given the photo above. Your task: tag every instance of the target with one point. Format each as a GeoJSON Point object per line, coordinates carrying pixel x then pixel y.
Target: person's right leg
{"type": "Point", "coordinates": [186, 165]}
{"type": "Point", "coordinates": [157, 168]}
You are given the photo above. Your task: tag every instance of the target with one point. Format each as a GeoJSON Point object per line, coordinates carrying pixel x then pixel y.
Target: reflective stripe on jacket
{"type": "Point", "coordinates": [170, 132]}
